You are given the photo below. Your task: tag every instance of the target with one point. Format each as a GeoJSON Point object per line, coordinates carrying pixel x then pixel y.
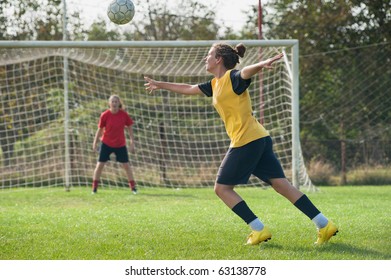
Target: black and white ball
{"type": "Point", "coordinates": [121, 11]}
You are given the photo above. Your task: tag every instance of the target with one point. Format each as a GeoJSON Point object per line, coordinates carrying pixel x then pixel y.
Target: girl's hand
{"type": "Point", "coordinates": [131, 147]}
{"type": "Point", "coordinates": [150, 84]}
{"type": "Point", "coordinates": [95, 147]}
{"type": "Point", "coordinates": [270, 61]}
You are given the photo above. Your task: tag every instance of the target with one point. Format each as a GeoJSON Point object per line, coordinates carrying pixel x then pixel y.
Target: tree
{"type": "Point", "coordinates": [26, 20]}
{"type": "Point", "coordinates": [36, 20]}
{"type": "Point", "coordinates": [341, 79]}
{"type": "Point", "coordinates": [98, 32]}
{"type": "Point", "coordinates": [190, 20]}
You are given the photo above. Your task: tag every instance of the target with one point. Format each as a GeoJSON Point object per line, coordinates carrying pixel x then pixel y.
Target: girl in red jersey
{"type": "Point", "coordinates": [251, 148]}
{"type": "Point", "coordinates": [112, 124]}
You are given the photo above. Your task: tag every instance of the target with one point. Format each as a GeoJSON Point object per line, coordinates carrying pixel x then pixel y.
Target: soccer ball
{"type": "Point", "coordinates": [121, 11]}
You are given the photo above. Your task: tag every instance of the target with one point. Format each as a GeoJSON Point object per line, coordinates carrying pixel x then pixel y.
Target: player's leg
{"type": "Point", "coordinates": [227, 194]}
{"type": "Point", "coordinates": [269, 170]}
{"type": "Point", "coordinates": [300, 200]}
{"type": "Point", "coordinates": [96, 177]}
{"type": "Point", "coordinates": [326, 228]}
{"type": "Point", "coordinates": [129, 174]}
{"type": "Point", "coordinates": [236, 168]}
{"type": "Point", "coordinates": [123, 158]}
{"type": "Point", "coordinates": [104, 156]}
{"type": "Point", "coordinates": [233, 200]}
{"type": "Point", "coordinates": [285, 188]}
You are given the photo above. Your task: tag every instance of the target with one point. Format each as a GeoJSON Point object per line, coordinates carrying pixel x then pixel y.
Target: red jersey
{"type": "Point", "coordinates": [114, 124]}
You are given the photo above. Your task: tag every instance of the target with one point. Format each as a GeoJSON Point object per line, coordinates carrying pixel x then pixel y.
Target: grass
{"type": "Point", "coordinates": [187, 224]}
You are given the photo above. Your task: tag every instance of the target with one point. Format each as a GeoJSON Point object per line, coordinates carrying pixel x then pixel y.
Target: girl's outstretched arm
{"type": "Point", "coordinates": [248, 71]}
{"type": "Point", "coordinates": [187, 89]}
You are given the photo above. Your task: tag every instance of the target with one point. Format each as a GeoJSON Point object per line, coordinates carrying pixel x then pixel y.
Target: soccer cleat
{"type": "Point", "coordinates": [134, 190]}
{"type": "Point", "coordinates": [324, 234]}
{"type": "Point", "coordinates": [257, 237]}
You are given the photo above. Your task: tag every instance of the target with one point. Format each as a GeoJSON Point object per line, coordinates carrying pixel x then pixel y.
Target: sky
{"type": "Point", "coordinates": [230, 11]}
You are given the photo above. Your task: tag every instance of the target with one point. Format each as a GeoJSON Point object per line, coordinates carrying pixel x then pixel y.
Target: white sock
{"type": "Point", "coordinates": [320, 220]}
{"type": "Point", "coordinates": [256, 225]}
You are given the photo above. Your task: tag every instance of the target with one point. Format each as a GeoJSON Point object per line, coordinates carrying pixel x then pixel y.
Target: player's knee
{"type": "Point", "coordinates": [220, 189]}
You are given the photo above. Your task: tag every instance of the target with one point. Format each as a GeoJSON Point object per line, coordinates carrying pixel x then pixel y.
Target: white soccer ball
{"type": "Point", "coordinates": [121, 11]}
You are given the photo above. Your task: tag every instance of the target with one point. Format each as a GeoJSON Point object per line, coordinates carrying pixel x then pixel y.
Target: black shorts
{"type": "Point", "coordinates": [121, 153]}
{"type": "Point", "coordinates": [256, 157]}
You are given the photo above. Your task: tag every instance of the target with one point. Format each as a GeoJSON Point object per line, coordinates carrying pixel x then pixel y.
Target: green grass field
{"type": "Point", "coordinates": [187, 224]}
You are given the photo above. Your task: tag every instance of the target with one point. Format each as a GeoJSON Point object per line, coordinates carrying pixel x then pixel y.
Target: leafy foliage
{"type": "Point", "coordinates": [36, 20]}
{"type": "Point", "coordinates": [344, 77]}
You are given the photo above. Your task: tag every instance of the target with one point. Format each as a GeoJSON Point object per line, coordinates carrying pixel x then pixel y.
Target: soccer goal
{"type": "Point", "coordinates": [53, 92]}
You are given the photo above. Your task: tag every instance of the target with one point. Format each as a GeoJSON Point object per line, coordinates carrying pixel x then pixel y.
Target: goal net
{"type": "Point", "coordinates": [52, 94]}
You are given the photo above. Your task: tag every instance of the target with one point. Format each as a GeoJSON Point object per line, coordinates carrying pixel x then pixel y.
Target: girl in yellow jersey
{"type": "Point", "coordinates": [251, 150]}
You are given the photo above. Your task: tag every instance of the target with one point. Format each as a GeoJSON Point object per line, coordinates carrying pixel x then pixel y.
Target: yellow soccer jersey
{"type": "Point", "coordinates": [232, 101]}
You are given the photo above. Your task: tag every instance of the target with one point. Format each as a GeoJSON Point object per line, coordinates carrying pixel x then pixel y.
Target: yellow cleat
{"type": "Point", "coordinates": [324, 234]}
{"type": "Point", "coordinates": [257, 237]}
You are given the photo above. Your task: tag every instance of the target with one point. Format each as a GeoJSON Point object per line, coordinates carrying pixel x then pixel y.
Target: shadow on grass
{"type": "Point", "coordinates": [269, 245]}
{"type": "Point", "coordinates": [361, 253]}
{"type": "Point", "coordinates": [340, 251]}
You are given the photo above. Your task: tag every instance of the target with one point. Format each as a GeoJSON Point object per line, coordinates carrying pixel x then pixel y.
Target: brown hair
{"type": "Point", "coordinates": [229, 54]}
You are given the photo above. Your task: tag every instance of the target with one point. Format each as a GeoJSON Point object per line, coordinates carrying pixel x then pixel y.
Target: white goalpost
{"type": "Point", "coordinates": [52, 93]}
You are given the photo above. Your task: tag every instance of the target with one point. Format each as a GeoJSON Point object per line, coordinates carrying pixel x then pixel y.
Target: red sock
{"type": "Point", "coordinates": [95, 184]}
{"type": "Point", "coordinates": [132, 184]}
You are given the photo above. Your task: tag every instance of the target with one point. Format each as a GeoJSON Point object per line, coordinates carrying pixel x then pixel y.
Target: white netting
{"type": "Point", "coordinates": [180, 140]}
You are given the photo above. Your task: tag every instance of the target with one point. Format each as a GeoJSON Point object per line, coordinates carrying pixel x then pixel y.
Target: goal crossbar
{"type": "Point", "coordinates": [140, 44]}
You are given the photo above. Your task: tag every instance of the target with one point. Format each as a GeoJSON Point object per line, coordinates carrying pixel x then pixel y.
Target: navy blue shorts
{"type": "Point", "coordinates": [121, 153]}
{"type": "Point", "coordinates": [256, 157]}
